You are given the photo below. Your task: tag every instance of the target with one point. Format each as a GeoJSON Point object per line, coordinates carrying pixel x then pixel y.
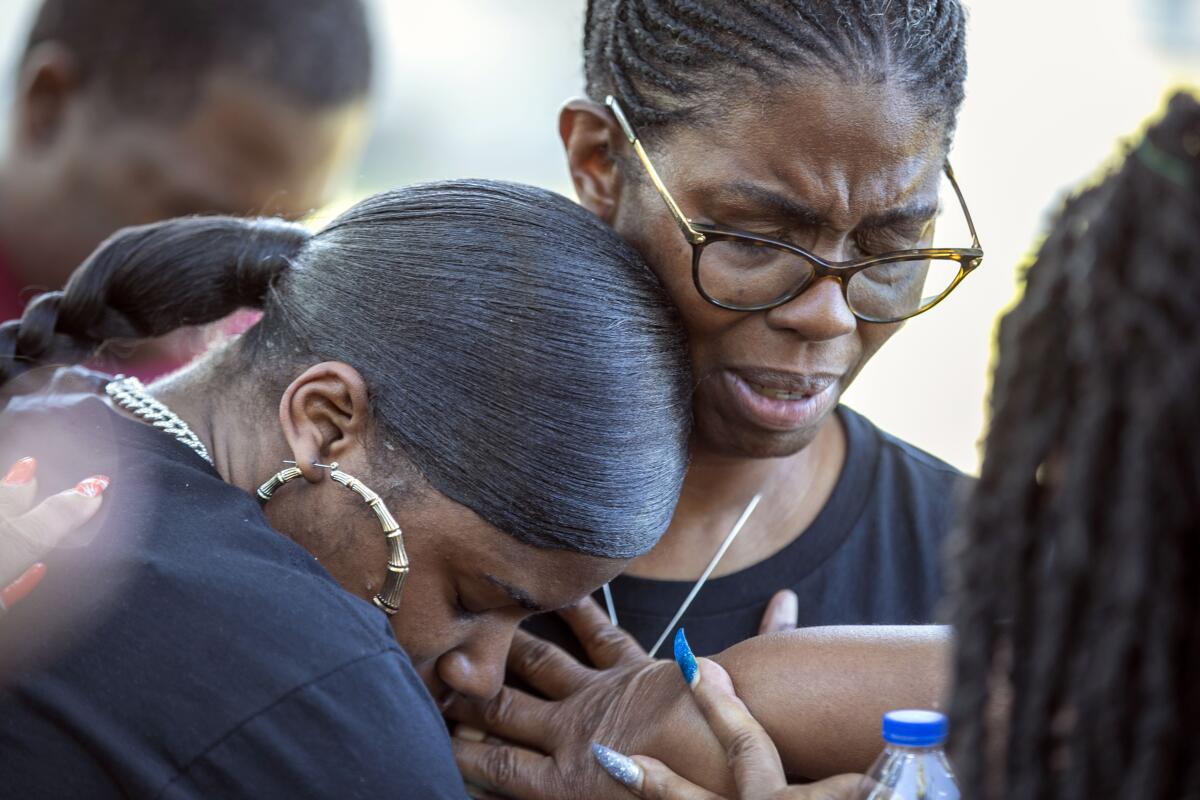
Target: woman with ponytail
{"type": "Point", "coordinates": [463, 404]}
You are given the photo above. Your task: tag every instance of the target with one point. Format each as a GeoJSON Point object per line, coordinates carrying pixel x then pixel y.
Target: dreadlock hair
{"type": "Point", "coordinates": [153, 56]}
{"type": "Point", "coordinates": [667, 60]}
{"type": "Point", "coordinates": [1078, 585]}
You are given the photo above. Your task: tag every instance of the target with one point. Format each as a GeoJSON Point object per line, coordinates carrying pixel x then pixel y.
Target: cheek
{"type": "Point", "coordinates": [871, 337]}
{"type": "Point", "coordinates": [670, 258]}
{"type": "Point", "coordinates": [874, 335]}
{"type": "Point", "coordinates": [420, 633]}
{"type": "Point", "coordinates": [427, 625]}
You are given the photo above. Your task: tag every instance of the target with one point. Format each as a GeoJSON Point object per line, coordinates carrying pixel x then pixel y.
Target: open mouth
{"type": "Point", "coordinates": [783, 401]}
{"type": "Point", "coordinates": [779, 394]}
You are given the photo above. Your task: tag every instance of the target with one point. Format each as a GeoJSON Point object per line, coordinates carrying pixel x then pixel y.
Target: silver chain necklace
{"type": "Point", "coordinates": [131, 395]}
{"type": "Point", "coordinates": [687, 601]}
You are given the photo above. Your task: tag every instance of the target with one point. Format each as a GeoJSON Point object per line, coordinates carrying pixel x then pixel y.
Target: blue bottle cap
{"type": "Point", "coordinates": [914, 728]}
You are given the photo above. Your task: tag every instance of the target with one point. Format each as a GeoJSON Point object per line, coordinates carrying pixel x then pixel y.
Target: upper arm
{"type": "Point", "coordinates": [367, 730]}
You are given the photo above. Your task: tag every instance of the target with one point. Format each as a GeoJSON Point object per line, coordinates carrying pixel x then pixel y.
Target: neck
{"type": "Point", "coordinates": [238, 421]}
{"type": "Point", "coordinates": [241, 432]}
{"type": "Point", "coordinates": [716, 491]}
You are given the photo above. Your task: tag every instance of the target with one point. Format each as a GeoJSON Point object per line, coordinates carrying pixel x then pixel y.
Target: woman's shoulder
{"type": "Point", "coordinates": [896, 472]}
{"type": "Point", "coordinates": [219, 655]}
{"type": "Point", "coordinates": [363, 730]}
{"type": "Point", "coordinates": [194, 620]}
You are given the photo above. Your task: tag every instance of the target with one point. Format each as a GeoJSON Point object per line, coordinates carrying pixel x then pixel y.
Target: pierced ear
{"type": "Point", "coordinates": [592, 140]}
{"type": "Point", "coordinates": [49, 80]}
{"type": "Point", "coordinates": [325, 415]}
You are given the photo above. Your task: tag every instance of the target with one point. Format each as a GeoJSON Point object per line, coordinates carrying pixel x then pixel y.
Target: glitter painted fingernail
{"type": "Point", "coordinates": [623, 769]}
{"type": "Point", "coordinates": [21, 473]}
{"type": "Point", "coordinates": [93, 486]}
{"type": "Point", "coordinates": [686, 660]}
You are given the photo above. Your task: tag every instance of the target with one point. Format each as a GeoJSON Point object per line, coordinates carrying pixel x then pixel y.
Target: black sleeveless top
{"type": "Point", "coordinates": [872, 556]}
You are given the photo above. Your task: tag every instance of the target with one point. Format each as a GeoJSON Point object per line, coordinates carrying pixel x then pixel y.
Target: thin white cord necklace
{"type": "Point", "coordinates": [687, 601]}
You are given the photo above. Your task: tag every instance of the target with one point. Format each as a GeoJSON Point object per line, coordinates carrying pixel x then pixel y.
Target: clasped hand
{"type": "Point", "coordinates": [540, 748]}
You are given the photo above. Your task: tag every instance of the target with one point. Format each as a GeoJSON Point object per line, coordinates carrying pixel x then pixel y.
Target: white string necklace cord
{"type": "Point", "coordinates": [687, 601]}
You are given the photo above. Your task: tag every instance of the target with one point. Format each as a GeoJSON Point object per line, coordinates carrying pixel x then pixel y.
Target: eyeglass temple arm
{"type": "Point", "coordinates": [691, 234]}
{"type": "Point", "coordinates": [962, 202]}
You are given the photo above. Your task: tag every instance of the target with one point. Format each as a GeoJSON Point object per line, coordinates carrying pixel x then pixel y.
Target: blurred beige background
{"type": "Point", "coordinates": [472, 88]}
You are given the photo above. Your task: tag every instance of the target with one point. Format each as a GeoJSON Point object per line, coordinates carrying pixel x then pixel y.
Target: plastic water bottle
{"type": "Point", "coordinates": [913, 765]}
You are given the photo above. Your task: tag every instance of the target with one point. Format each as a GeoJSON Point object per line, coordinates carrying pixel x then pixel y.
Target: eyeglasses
{"type": "Point", "coordinates": [742, 271]}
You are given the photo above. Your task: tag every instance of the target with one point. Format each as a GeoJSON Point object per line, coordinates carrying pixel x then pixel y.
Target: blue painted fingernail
{"type": "Point", "coordinates": [686, 660]}
{"type": "Point", "coordinates": [622, 768]}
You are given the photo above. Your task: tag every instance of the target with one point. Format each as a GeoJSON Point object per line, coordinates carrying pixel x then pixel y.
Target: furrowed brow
{"type": "Point", "coordinates": [893, 216]}
{"type": "Point", "coordinates": [777, 204]}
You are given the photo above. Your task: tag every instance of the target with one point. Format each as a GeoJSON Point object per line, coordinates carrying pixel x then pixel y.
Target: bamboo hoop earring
{"type": "Point", "coordinates": [388, 600]}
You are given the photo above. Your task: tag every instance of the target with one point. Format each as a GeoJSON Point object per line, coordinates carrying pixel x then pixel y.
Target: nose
{"type": "Point", "coordinates": [475, 669]}
{"type": "Point", "coordinates": [818, 314]}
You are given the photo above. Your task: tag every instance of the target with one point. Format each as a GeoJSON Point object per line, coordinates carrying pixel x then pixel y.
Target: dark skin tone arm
{"type": "Point", "coordinates": [753, 758]}
{"type": "Point", "coordinates": [819, 693]}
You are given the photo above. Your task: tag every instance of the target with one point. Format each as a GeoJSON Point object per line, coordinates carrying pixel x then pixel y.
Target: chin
{"type": "Point", "coordinates": [734, 440]}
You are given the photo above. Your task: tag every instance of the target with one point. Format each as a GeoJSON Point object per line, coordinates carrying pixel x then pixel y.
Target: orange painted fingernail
{"type": "Point", "coordinates": [93, 486]}
{"type": "Point", "coordinates": [19, 589]}
{"type": "Point", "coordinates": [21, 472]}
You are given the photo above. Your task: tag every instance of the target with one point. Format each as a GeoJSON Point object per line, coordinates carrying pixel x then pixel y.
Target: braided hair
{"type": "Point", "coordinates": [517, 352]}
{"type": "Point", "coordinates": [1078, 586]}
{"type": "Point", "coordinates": [675, 60]}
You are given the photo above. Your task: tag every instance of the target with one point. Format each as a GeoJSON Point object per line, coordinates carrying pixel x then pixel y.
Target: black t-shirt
{"type": "Point", "coordinates": [204, 654]}
{"type": "Point", "coordinates": [872, 556]}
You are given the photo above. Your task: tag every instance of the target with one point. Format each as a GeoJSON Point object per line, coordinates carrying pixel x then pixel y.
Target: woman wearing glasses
{"type": "Point", "coordinates": [779, 164]}
{"type": "Point", "coordinates": [1076, 602]}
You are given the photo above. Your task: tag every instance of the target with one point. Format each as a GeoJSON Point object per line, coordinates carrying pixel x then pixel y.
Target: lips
{"type": "Point", "coordinates": [782, 401]}
{"type": "Point", "coordinates": [786, 385]}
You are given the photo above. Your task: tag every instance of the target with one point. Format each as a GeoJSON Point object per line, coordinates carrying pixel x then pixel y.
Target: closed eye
{"type": "Point", "coordinates": [885, 240]}
{"type": "Point", "coordinates": [462, 611]}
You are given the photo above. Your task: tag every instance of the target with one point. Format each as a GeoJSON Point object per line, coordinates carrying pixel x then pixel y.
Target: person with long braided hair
{"type": "Point", "coordinates": [761, 156]}
{"type": "Point", "coordinates": [1078, 575]}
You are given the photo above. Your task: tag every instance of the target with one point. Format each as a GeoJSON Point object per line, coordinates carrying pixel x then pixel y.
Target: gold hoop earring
{"type": "Point", "coordinates": [388, 600]}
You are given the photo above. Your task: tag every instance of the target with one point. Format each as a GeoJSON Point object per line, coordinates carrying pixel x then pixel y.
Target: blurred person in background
{"type": "Point", "coordinates": [131, 111]}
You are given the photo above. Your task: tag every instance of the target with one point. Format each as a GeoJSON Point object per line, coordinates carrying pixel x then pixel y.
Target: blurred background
{"type": "Point", "coordinates": [472, 88]}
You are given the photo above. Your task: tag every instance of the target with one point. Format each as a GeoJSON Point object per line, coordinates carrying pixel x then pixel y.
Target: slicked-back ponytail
{"type": "Point", "coordinates": [148, 281]}
{"type": "Point", "coordinates": [518, 352]}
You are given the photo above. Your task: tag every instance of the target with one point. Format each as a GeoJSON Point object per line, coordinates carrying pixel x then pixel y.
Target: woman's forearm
{"type": "Point", "coordinates": [820, 692]}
